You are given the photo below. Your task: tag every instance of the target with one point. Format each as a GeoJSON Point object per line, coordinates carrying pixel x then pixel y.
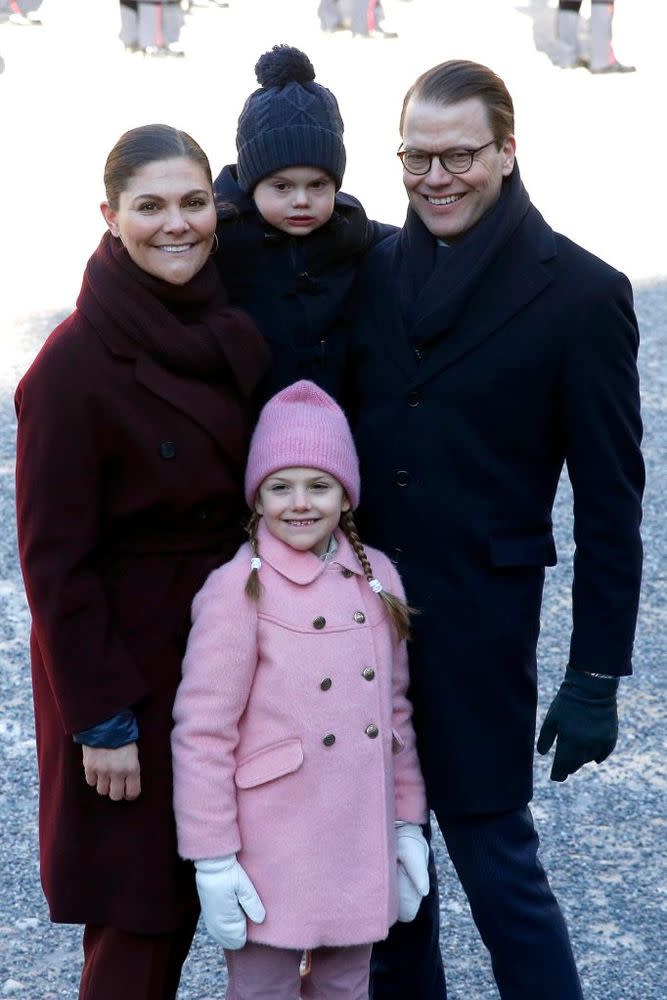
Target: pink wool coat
{"type": "Point", "coordinates": [293, 744]}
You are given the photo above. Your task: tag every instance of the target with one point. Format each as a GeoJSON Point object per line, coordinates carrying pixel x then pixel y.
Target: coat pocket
{"type": "Point", "coordinates": [269, 763]}
{"type": "Point", "coordinates": [524, 550]}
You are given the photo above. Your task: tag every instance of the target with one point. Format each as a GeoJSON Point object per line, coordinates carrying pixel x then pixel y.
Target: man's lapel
{"type": "Point", "coordinates": [517, 275]}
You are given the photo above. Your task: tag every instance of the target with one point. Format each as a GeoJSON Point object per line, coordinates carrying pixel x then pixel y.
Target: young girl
{"type": "Point", "coordinates": [298, 792]}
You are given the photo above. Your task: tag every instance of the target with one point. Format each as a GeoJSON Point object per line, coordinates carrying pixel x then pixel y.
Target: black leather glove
{"type": "Point", "coordinates": [583, 720]}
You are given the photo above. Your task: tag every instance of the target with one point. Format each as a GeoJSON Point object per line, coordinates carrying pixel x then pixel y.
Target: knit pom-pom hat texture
{"type": "Point", "coordinates": [302, 427]}
{"type": "Point", "coordinates": [291, 121]}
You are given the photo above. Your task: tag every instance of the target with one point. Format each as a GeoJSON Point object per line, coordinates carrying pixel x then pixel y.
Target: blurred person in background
{"type": "Point", "coordinates": [152, 27]}
{"type": "Point", "coordinates": [22, 12]}
{"type": "Point", "coordinates": [133, 426]}
{"type": "Point", "coordinates": [367, 19]}
{"type": "Point", "coordinates": [602, 58]}
{"type": "Point", "coordinates": [364, 18]}
{"type": "Point", "coordinates": [331, 15]}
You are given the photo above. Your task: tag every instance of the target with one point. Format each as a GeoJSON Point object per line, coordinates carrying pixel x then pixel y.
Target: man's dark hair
{"type": "Point", "coordinates": [460, 80]}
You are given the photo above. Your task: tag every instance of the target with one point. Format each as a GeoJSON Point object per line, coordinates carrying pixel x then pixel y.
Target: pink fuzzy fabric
{"type": "Point", "coordinates": [313, 824]}
{"type": "Point", "coordinates": [302, 426]}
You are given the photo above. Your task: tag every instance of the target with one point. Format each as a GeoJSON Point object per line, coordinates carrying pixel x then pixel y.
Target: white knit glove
{"type": "Point", "coordinates": [225, 892]}
{"type": "Point", "coordinates": [413, 880]}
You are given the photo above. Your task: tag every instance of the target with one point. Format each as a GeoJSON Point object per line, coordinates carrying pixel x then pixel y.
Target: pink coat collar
{"type": "Point", "coordinates": [303, 567]}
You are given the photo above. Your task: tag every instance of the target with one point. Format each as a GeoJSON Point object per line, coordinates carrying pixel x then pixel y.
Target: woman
{"type": "Point", "coordinates": [133, 424]}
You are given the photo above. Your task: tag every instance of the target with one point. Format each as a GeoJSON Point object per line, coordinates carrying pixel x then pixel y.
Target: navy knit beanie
{"type": "Point", "coordinates": [291, 121]}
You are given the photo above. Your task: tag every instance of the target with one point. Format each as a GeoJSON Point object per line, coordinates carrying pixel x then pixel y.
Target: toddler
{"type": "Point", "coordinates": [290, 242]}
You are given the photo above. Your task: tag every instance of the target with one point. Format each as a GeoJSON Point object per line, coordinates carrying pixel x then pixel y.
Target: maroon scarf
{"type": "Point", "coordinates": [189, 329]}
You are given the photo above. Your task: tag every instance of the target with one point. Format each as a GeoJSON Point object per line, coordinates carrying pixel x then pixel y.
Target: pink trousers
{"type": "Point", "coordinates": [258, 972]}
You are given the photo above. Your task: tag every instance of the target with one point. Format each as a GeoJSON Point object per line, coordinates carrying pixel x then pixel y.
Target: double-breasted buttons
{"type": "Point", "coordinates": [329, 740]}
{"type": "Point", "coordinates": [325, 683]}
{"type": "Point", "coordinates": [167, 449]}
{"type": "Point", "coordinates": [414, 397]}
{"type": "Point", "coordinates": [371, 731]}
{"type": "Point", "coordinates": [319, 622]}
{"type": "Point", "coordinates": [347, 573]}
{"type": "Point", "coordinates": [402, 477]}
{"type": "Point", "coordinates": [368, 673]}
{"type": "Point", "coordinates": [359, 617]}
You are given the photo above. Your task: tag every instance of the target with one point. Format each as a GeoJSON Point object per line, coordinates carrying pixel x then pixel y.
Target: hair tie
{"type": "Point", "coordinates": [375, 585]}
{"type": "Point", "coordinates": [255, 563]}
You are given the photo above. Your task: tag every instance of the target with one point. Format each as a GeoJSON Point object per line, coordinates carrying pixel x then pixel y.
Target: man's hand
{"type": "Point", "coordinates": [115, 773]}
{"type": "Point", "coordinates": [583, 720]}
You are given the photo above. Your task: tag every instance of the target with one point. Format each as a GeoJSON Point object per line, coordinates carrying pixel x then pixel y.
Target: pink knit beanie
{"type": "Point", "coordinates": [303, 427]}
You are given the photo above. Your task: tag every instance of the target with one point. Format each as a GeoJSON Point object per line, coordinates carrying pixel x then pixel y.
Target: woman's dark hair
{"type": "Point", "coordinates": [460, 80]}
{"type": "Point", "coordinates": [148, 144]}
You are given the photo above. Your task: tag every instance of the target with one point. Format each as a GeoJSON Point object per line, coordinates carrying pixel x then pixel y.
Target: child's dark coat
{"type": "Point", "coordinates": [297, 289]}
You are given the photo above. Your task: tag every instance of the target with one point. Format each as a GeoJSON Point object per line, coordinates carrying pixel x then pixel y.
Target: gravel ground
{"type": "Point", "coordinates": [603, 831]}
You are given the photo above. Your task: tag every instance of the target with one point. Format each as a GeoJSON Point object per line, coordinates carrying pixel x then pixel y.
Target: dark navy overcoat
{"type": "Point", "coordinates": [461, 454]}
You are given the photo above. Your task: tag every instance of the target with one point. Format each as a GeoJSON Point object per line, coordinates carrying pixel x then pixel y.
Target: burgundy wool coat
{"type": "Point", "coordinates": [129, 492]}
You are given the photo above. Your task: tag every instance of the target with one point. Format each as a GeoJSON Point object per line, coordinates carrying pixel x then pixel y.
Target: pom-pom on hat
{"type": "Point", "coordinates": [302, 427]}
{"type": "Point", "coordinates": [291, 121]}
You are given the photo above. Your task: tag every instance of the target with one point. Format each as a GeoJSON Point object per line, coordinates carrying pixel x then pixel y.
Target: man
{"type": "Point", "coordinates": [491, 350]}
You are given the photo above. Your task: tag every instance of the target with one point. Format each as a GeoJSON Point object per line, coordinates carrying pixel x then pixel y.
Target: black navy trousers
{"type": "Point", "coordinates": [515, 911]}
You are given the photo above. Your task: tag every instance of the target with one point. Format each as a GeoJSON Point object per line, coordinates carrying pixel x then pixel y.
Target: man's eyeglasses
{"type": "Point", "coordinates": [454, 161]}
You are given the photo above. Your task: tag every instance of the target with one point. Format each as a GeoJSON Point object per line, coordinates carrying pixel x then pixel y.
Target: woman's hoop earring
{"type": "Point", "coordinates": [216, 245]}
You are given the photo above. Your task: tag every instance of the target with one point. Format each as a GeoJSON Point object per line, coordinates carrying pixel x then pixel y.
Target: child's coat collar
{"type": "Point", "coordinates": [303, 567]}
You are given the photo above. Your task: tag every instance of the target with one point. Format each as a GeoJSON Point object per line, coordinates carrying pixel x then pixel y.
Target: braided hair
{"type": "Point", "coordinates": [253, 587]}
{"type": "Point", "coordinates": [399, 611]}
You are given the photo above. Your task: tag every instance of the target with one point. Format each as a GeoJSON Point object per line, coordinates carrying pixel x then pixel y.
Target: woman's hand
{"type": "Point", "coordinates": [115, 773]}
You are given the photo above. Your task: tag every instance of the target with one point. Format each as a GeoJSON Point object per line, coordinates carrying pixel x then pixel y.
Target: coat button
{"type": "Point", "coordinates": [325, 683]}
{"type": "Point", "coordinates": [414, 397]}
{"type": "Point", "coordinates": [368, 673]}
{"type": "Point", "coordinates": [359, 617]}
{"type": "Point", "coordinates": [347, 573]}
{"type": "Point", "coordinates": [167, 449]}
{"type": "Point", "coordinates": [329, 740]}
{"type": "Point", "coordinates": [305, 283]}
{"type": "Point", "coordinates": [319, 622]}
{"type": "Point", "coordinates": [372, 731]}
{"type": "Point", "coordinates": [402, 477]}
